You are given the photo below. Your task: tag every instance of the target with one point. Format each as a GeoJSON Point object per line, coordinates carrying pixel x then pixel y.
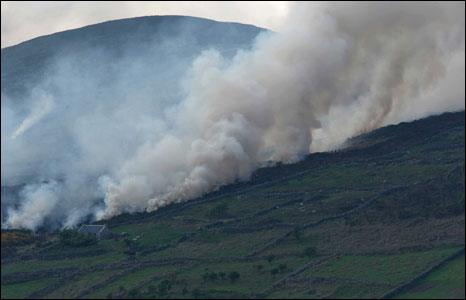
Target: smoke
{"type": "Point", "coordinates": [334, 71]}
{"type": "Point", "coordinates": [41, 108]}
{"type": "Point", "coordinates": [38, 201]}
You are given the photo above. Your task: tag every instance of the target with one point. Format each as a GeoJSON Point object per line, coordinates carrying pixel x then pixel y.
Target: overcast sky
{"type": "Point", "coordinates": [25, 20]}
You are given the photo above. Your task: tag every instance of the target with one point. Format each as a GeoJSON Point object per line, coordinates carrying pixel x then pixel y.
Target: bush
{"type": "Point", "coordinates": [234, 276]}
{"type": "Point", "coordinates": [133, 246]}
{"type": "Point", "coordinates": [196, 293]}
{"type": "Point", "coordinates": [222, 275]}
{"type": "Point", "coordinates": [282, 268]}
{"type": "Point", "coordinates": [297, 234]}
{"type": "Point", "coordinates": [219, 212]}
{"type": "Point", "coordinates": [310, 251]}
{"type": "Point", "coordinates": [152, 290]}
{"type": "Point", "coordinates": [73, 238]}
{"type": "Point", "coordinates": [133, 293]}
{"type": "Point", "coordinates": [164, 287]}
{"type": "Point", "coordinates": [213, 276]}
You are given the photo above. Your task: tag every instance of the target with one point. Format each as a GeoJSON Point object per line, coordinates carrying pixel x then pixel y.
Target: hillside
{"type": "Point", "coordinates": [126, 73]}
{"type": "Point", "coordinates": [382, 218]}
{"type": "Point", "coordinates": [25, 64]}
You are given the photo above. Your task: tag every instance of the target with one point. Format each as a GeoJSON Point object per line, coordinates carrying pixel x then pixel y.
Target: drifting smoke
{"type": "Point", "coordinates": [40, 109]}
{"type": "Point", "coordinates": [336, 70]}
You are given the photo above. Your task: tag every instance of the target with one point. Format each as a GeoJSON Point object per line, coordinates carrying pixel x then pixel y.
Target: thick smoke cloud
{"type": "Point", "coordinates": [334, 71]}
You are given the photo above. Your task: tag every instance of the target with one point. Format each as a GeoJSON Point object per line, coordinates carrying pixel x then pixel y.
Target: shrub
{"type": "Point", "coordinates": [73, 238]}
{"type": "Point", "coordinates": [164, 287]}
{"type": "Point", "coordinates": [222, 275]}
{"type": "Point", "coordinates": [133, 293]}
{"type": "Point", "coordinates": [297, 234]}
{"type": "Point", "coordinates": [309, 251]}
{"type": "Point", "coordinates": [219, 212]}
{"type": "Point", "coordinates": [152, 290]}
{"type": "Point", "coordinates": [205, 277]}
{"type": "Point", "coordinates": [282, 268]}
{"type": "Point", "coordinates": [196, 294]}
{"type": "Point", "coordinates": [213, 276]}
{"type": "Point", "coordinates": [234, 276]}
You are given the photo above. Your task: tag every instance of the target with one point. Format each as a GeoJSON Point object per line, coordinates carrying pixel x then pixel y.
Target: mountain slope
{"type": "Point", "coordinates": [25, 63]}
{"type": "Point", "coordinates": [77, 104]}
{"type": "Point", "coordinates": [378, 219]}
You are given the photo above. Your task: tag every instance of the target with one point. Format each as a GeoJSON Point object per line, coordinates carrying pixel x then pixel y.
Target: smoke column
{"type": "Point", "coordinates": [334, 71]}
{"type": "Point", "coordinates": [42, 108]}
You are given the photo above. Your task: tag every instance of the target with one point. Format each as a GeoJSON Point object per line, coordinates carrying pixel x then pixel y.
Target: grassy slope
{"type": "Point", "coordinates": [447, 282]}
{"type": "Point", "coordinates": [374, 215]}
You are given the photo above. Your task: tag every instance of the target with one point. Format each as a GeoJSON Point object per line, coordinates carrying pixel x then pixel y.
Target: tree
{"type": "Point", "coordinates": [310, 251]}
{"type": "Point", "coordinates": [152, 290]}
{"type": "Point", "coordinates": [297, 234]}
{"type": "Point", "coordinates": [270, 258]}
{"type": "Point", "coordinates": [133, 246]}
{"type": "Point", "coordinates": [222, 275]}
{"type": "Point", "coordinates": [196, 293]}
{"type": "Point", "coordinates": [213, 276]}
{"type": "Point", "coordinates": [219, 212]}
{"type": "Point", "coordinates": [121, 292]}
{"type": "Point", "coordinates": [282, 268]}
{"type": "Point", "coordinates": [234, 276]}
{"type": "Point", "coordinates": [133, 293]}
{"type": "Point", "coordinates": [205, 277]}
{"type": "Point", "coordinates": [274, 271]}
{"type": "Point", "coordinates": [164, 287]}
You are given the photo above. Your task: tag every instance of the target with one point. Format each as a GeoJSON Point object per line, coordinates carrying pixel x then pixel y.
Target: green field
{"type": "Point", "coordinates": [446, 282]}
{"type": "Point", "coordinates": [355, 223]}
{"type": "Point", "coordinates": [22, 290]}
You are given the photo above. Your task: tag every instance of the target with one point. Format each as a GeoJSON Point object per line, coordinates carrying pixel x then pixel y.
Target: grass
{"type": "Point", "coordinates": [378, 246]}
{"type": "Point", "coordinates": [205, 246]}
{"type": "Point", "coordinates": [38, 265]}
{"type": "Point", "coordinates": [252, 279]}
{"type": "Point", "coordinates": [382, 269]}
{"type": "Point", "coordinates": [151, 233]}
{"type": "Point", "coordinates": [444, 283]}
{"type": "Point", "coordinates": [23, 289]}
{"type": "Point", "coordinates": [73, 288]}
{"type": "Point", "coordinates": [327, 289]}
{"type": "Point", "coordinates": [132, 280]}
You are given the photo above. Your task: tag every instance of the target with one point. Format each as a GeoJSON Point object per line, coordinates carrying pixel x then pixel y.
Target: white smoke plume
{"type": "Point", "coordinates": [40, 109]}
{"type": "Point", "coordinates": [334, 71]}
{"type": "Point", "coordinates": [38, 202]}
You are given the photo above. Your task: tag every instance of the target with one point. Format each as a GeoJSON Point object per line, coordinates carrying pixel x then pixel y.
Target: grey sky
{"type": "Point", "coordinates": [24, 20]}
